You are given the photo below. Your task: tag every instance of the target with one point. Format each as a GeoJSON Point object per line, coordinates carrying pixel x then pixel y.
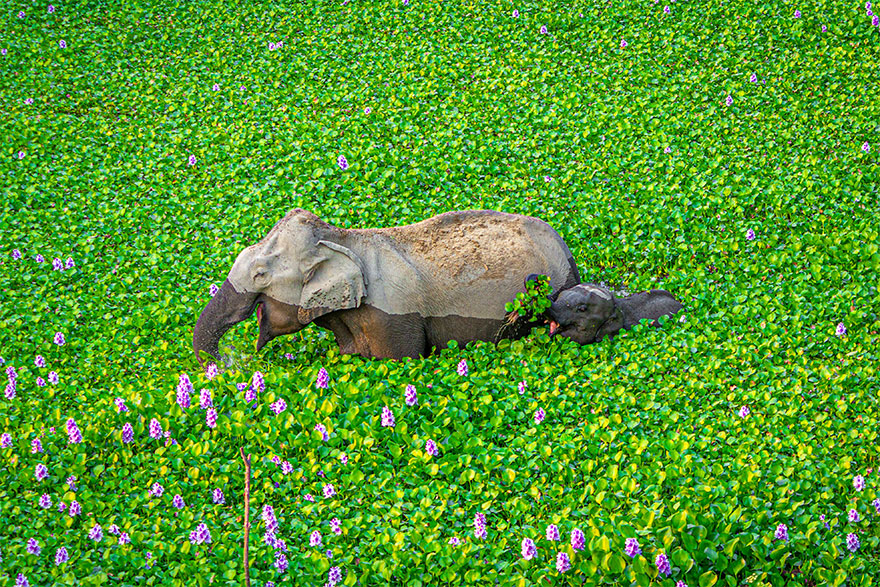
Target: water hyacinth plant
{"type": "Point", "coordinates": [709, 149]}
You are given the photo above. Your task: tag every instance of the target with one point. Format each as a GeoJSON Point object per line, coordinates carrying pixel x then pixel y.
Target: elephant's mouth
{"type": "Point", "coordinates": [554, 327]}
{"type": "Point", "coordinates": [264, 328]}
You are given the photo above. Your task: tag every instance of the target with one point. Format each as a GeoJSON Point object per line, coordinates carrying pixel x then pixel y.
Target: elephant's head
{"type": "Point", "coordinates": [300, 271]}
{"type": "Point", "coordinates": [585, 313]}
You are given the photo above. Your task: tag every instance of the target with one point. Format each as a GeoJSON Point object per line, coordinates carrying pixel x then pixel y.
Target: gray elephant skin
{"type": "Point", "coordinates": [587, 312]}
{"type": "Point", "coordinates": [388, 292]}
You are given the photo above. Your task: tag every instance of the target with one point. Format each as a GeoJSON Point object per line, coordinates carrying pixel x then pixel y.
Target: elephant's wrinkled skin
{"type": "Point", "coordinates": [389, 292]}
{"type": "Point", "coordinates": [588, 312]}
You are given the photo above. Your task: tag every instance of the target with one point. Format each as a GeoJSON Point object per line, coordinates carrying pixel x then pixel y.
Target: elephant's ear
{"type": "Point", "coordinates": [334, 281]}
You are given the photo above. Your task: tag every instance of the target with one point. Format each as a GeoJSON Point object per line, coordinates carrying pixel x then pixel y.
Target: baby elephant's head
{"type": "Point", "coordinates": [585, 313]}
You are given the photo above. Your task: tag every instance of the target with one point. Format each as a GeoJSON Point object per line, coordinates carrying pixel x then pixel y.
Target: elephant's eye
{"type": "Point", "coordinates": [261, 276]}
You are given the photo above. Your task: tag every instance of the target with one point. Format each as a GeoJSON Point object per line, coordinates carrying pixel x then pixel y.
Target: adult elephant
{"type": "Point", "coordinates": [389, 292]}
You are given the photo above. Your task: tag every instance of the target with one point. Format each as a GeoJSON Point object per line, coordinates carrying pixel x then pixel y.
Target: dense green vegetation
{"type": "Point", "coordinates": [150, 144]}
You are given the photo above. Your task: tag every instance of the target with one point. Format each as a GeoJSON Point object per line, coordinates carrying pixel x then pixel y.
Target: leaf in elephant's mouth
{"type": "Point", "coordinates": [554, 327]}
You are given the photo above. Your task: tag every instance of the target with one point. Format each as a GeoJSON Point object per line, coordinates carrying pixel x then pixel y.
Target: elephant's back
{"type": "Point", "coordinates": [470, 263]}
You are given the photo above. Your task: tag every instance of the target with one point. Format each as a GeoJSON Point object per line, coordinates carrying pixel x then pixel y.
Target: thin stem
{"type": "Point", "coordinates": [247, 517]}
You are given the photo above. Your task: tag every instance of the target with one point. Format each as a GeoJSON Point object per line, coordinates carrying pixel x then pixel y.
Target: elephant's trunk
{"type": "Point", "coordinates": [225, 310]}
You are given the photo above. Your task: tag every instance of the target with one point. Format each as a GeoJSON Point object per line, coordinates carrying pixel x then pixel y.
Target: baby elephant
{"type": "Point", "coordinates": [588, 312]}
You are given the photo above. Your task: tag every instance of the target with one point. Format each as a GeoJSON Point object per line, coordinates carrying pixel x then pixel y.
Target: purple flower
{"type": "Point", "coordinates": [286, 468]}
{"type": "Point", "coordinates": [10, 373]}
{"type": "Point", "coordinates": [211, 371]}
{"type": "Point", "coordinates": [16, 254]}
{"type": "Point", "coordinates": [21, 580]}
{"type": "Point", "coordinates": [62, 43]}
{"type": "Point", "coordinates": [51, 10]}
{"type": "Point", "coordinates": [61, 556]}
{"type": "Point", "coordinates": [552, 532]}
{"type": "Point", "coordinates": [258, 383]}
{"type": "Point", "coordinates": [271, 46]}
{"type": "Point", "coordinates": [45, 501]}
{"type": "Point", "coordinates": [623, 44]}
{"type": "Point", "coordinates": [367, 110]}
{"type": "Point", "coordinates": [543, 30]}
{"type": "Point", "coordinates": [71, 482]}
{"type": "Point", "coordinates": [205, 400]}
{"type": "Point", "coordinates": [120, 405]}
{"type": "Point", "coordinates": [69, 264]}
{"type": "Point", "coordinates": [270, 519]}
{"type": "Point", "coordinates": [632, 548]}
{"type": "Point", "coordinates": [853, 516]}
{"type": "Point", "coordinates": [728, 100]}
{"type": "Point", "coordinates": [343, 458]}
{"type": "Point", "coordinates": [216, 87]}
{"type": "Point", "coordinates": [852, 542]}
{"type": "Point", "coordinates": [251, 394]}
{"type": "Point", "coordinates": [183, 399]}
{"type": "Point", "coordinates": [335, 575]}
{"type": "Point", "coordinates": [479, 525]}
{"type": "Point", "coordinates": [540, 415]}
{"type": "Point", "coordinates": [754, 78]}
{"type": "Point", "coordinates": [315, 539]}
{"type": "Point", "coordinates": [74, 436]}
{"type": "Point", "coordinates": [841, 329]}
{"type": "Point", "coordinates": [201, 535]}
{"type": "Point", "coordinates": [562, 562]}
{"type": "Point", "coordinates": [875, 21]}
{"type": "Point", "coordinates": [343, 164]}
{"type": "Point", "coordinates": [39, 361]}
{"type": "Point", "coordinates": [75, 509]}
{"type": "Point", "coordinates": [96, 533]}
{"type": "Point", "coordinates": [218, 496]}
{"type": "Point", "coordinates": [663, 566]}
{"type": "Point", "coordinates": [33, 547]}
{"type": "Point", "coordinates": [155, 429]}
{"type": "Point", "coordinates": [797, 13]}
{"type": "Point", "coordinates": [824, 28]}
{"type": "Point", "coordinates": [157, 490]}
{"type": "Point", "coordinates": [666, 9]}
{"type": "Point", "coordinates": [40, 472]}
{"type": "Point", "coordinates": [278, 406]}
{"type": "Point", "coordinates": [431, 448]}
{"type": "Point", "coordinates": [308, 497]}
{"type": "Point", "coordinates": [53, 377]}
{"type": "Point", "coordinates": [38, 258]}
{"type": "Point", "coordinates": [329, 490]}
{"type": "Point", "coordinates": [335, 526]}
{"type": "Point", "coordinates": [10, 390]}
{"type": "Point", "coordinates": [5, 440]}
{"type": "Point", "coordinates": [36, 446]}
{"type": "Point", "coordinates": [750, 235]}
{"type": "Point", "coordinates": [323, 430]}
{"type": "Point", "coordinates": [178, 502]}
{"type": "Point", "coordinates": [866, 147]}
{"type": "Point", "coordinates": [211, 418]}
{"type": "Point", "coordinates": [57, 264]}
{"type": "Point", "coordinates": [127, 433]}
{"type": "Point", "coordinates": [124, 538]}
{"type": "Point", "coordinates": [281, 562]}
{"type": "Point", "coordinates": [387, 417]}
{"type": "Point", "coordinates": [781, 532]}
{"type": "Point", "coordinates": [515, 13]}
{"type": "Point", "coordinates": [462, 368]}
{"type": "Point", "coordinates": [876, 504]}
{"type": "Point", "coordinates": [323, 379]}
{"type": "Point", "coordinates": [578, 540]}
{"type": "Point", "coordinates": [410, 395]}
{"type": "Point", "coordinates": [41, 382]}
{"type": "Point", "coordinates": [213, 290]}
{"type": "Point", "coordinates": [744, 411]}
{"type": "Point", "coordinates": [522, 387]}
{"type": "Point", "coordinates": [192, 161]}
{"type": "Point", "coordinates": [859, 482]}
{"type": "Point", "coordinates": [529, 550]}
{"type": "Point", "coordinates": [113, 529]}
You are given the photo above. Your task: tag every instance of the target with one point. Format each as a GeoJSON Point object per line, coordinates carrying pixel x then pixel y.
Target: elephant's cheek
{"type": "Point", "coordinates": [275, 319]}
